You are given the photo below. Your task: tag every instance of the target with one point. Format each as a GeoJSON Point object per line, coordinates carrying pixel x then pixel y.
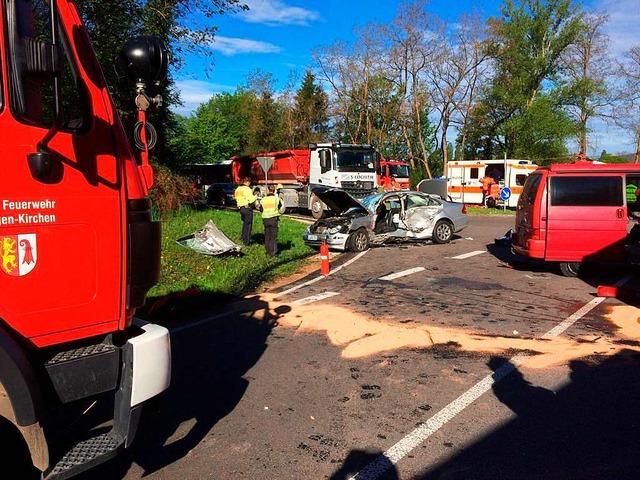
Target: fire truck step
{"type": "Point", "coordinates": [85, 455]}
{"type": "Point", "coordinates": [77, 353]}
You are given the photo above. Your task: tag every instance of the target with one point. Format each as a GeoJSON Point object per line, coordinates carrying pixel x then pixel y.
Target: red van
{"type": "Point", "coordinates": [577, 213]}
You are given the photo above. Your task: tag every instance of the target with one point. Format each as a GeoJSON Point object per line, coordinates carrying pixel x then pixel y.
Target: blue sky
{"type": "Point", "coordinates": [278, 36]}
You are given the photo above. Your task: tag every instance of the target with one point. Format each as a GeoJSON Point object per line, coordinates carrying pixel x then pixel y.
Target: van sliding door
{"type": "Point", "coordinates": [586, 218]}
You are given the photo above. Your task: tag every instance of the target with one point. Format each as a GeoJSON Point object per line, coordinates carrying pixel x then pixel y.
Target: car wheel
{"type": "Point", "coordinates": [317, 209]}
{"type": "Point", "coordinates": [442, 232]}
{"type": "Point", "coordinates": [570, 269]}
{"type": "Point", "coordinates": [358, 241]}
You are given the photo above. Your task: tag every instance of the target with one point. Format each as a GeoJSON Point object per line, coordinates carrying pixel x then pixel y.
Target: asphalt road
{"type": "Point", "coordinates": [406, 362]}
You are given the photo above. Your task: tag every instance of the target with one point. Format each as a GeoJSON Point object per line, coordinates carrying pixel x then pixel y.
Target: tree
{"type": "Point", "coordinates": [179, 23]}
{"type": "Point", "coordinates": [454, 80]}
{"type": "Point", "coordinates": [310, 112]}
{"type": "Point", "coordinates": [265, 129]}
{"type": "Point", "coordinates": [628, 114]}
{"type": "Point", "coordinates": [216, 132]}
{"type": "Point", "coordinates": [527, 43]}
{"type": "Point", "coordinates": [415, 45]}
{"type": "Point", "coordinates": [587, 68]}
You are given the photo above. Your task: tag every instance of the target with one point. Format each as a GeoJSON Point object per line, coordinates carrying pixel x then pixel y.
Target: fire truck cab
{"type": "Point", "coordinates": [78, 247]}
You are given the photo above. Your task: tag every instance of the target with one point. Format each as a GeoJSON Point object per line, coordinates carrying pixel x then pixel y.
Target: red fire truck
{"type": "Point", "coordinates": [393, 174]}
{"type": "Point", "coordinates": [78, 248]}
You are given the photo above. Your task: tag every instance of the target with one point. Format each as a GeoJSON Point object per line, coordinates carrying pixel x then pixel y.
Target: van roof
{"type": "Point", "coordinates": [579, 167]}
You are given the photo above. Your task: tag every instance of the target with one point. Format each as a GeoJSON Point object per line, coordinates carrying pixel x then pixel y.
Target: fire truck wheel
{"type": "Point", "coordinates": [442, 232]}
{"type": "Point", "coordinates": [358, 241]}
{"type": "Point", "coordinates": [317, 209]}
{"type": "Point", "coordinates": [570, 269]}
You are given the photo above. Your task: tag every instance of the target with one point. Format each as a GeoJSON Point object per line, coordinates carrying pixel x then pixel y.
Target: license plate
{"type": "Point", "coordinates": [313, 238]}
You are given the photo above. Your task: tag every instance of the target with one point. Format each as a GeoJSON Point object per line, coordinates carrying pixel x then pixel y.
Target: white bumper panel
{"type": "Point", "coordinates": [151, 370]}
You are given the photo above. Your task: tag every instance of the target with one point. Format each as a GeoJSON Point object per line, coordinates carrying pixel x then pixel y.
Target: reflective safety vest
{"type": "Point", "coordinates": [270, 206]}
{"type": "Point", "coordinates": [244, 196]}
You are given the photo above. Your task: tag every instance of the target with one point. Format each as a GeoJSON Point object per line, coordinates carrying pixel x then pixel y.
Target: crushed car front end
{"type": "Point", "coordinates": [334, 231]}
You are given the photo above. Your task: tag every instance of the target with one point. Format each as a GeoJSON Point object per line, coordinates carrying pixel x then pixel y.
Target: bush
{"type": "Point", "coordinates": [172, 192]}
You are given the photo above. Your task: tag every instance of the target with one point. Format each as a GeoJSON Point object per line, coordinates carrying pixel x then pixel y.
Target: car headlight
{"type": "Point", "coordinates": [337, 229]}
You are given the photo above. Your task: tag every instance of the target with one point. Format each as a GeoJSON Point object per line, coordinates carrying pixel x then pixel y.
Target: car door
{"type": "Point", "coordinates": [419, 215]}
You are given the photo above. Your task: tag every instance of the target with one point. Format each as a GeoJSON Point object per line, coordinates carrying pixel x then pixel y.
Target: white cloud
{"type": "Point", "coordinates": [622, 28]}
{"type": "Point", "coordinates": [195, 92]}
{"type": "Point", "coordinates": [275, 12]}
{"type": "Point", "coordinates": [229, 46]}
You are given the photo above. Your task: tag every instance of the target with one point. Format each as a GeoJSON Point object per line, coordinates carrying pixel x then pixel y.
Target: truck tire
{"type": "Point", "coordinates": [316, 207]}
{"type": "Point", "coordinates": [358, 241]}
{"type": "Point", "coordinates": [442, 232]}
{"type": "Point", "coordinates": [570, 269]}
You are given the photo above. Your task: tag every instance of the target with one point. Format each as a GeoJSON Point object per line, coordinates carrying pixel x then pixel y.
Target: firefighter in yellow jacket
{"type": "Point", "coordinates": [271, 207]}
{"type": "Point", "coordinates": [245, 199]}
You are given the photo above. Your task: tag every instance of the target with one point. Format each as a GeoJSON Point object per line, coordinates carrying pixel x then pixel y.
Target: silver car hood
{"type": "Point", "coordinates": [339, 201]}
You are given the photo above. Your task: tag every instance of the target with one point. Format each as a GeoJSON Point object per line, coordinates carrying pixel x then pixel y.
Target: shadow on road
{"type": "Point", "coordinates": [357, 460]}
{"type": "Point", "coordinates": [209, 362]}
{"type": "Point", "coordinates": [587, 430]}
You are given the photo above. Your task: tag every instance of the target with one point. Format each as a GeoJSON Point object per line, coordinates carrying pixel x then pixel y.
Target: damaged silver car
{"type": "Point", "coordinates": [404, 215]}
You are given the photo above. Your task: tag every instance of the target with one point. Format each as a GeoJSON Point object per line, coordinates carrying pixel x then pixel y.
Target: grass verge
{"type": "Point", "coordinates": [477, 210]}
{"type": "Point", "coordinates": [186, 273]}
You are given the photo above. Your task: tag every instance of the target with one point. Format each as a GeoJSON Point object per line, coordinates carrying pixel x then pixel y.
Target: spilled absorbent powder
{"type": "Point", "coordinates": [360, 335]}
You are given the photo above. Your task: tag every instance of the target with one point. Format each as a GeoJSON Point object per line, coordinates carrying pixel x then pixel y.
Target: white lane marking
{"type": "Point", "coordinates": [314, 280]}
{"type": "Point", "coordinates": [467, 255]}
{"type": "Point", "coordinates": [392, 456]}
{"type": "Point", "coordinates": [315, 298]}
{"type": "Point", "coordinates": [404, 273]}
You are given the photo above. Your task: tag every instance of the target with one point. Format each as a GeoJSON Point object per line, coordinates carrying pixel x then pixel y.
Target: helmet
{"type": "Point", "coordinates": [279, 186]}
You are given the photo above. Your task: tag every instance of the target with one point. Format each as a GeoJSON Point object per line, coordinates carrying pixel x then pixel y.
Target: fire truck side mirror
{"type": "Point", "coordinates": [45, 167]}
{"type": "Point", "coordinates": [145, 60]}
{"type": "Point", "coordinates": [42, 58]}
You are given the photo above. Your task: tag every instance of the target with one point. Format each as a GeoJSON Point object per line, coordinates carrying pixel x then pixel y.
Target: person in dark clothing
{"type": "Point", "coordinates": [245, 200]}
{"type": "Point", "coordinates": [271, 207]}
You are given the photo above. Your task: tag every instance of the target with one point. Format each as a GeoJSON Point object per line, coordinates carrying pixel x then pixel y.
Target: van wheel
{"type": "Point", "coordinates": [358, 241]}
{"type": "Point", "coordinates": [570, 269]}
{"type": "Point", "coordinates": [317, 209]}
{"type": "Point", "coordinates": [442, 232]}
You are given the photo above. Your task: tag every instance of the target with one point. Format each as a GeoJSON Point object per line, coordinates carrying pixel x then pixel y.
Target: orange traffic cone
{"type": "Point", "coordinates": [324, 259]}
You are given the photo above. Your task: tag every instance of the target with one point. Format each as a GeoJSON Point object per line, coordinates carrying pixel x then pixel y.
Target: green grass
{"type": "Point", "coordinates": [224, 276]}
{"type": "Point", "coordinates": [471, 210]}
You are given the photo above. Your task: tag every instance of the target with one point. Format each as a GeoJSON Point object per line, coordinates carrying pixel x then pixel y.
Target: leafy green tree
{"type": "Point", "coordinates": [183, 25]}
{"type": "Point", "coordinates": [310, 112]}
{"type": "Point", "coordinates": [216, 132]}
{"type": "Point", "coordinates": [266, 127]}
{"type": "Point", "coordinates": [611, 158]}
{"type": "Point", "coordinates": [527, 43]}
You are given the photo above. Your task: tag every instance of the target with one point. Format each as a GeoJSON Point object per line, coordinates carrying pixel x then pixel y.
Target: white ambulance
{"type": "Point", "coordinates": [464, 185]}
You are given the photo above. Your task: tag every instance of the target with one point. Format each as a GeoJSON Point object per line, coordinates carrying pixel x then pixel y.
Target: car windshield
{"type": "Point", "coordinates": [399, 171]}
{"type": "Point", "coordinates": [371, 201]}
{"type": "Point", "coordinates": [355, 160]}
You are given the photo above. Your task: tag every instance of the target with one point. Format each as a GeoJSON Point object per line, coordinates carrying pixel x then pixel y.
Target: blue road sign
{"type": "Point", "coordinates": [505, 193]}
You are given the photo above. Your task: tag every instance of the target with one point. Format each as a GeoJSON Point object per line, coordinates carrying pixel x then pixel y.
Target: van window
{"type": "Point", "coordinates": [473, 173]}
{"type": "Point", "coordinates": [586, 191]}
{"type": "Point", "coordinates": [531, 189]}
{"type": "Point", "coordinates": [520, 179]}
